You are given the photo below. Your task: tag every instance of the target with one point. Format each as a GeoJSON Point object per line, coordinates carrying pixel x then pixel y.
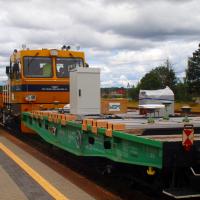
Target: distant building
{"type": "Point", "coordinates": [113, 92]}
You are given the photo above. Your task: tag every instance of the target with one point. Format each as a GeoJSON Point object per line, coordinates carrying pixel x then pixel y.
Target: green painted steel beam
{"type": "Point", "coordinates": [121, 147]}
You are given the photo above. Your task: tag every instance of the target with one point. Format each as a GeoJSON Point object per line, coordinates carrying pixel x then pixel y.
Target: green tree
{"type": "Point", "coordinates": [151, 81]}
{"type": "Point", "coordinates": [159, 77]}
{"type": "Point", "coordinates": [134, 92]}
{"type": "Point", "coordinates": [193, 73]}
{"type": "Point", "coordinates": [181, 92]}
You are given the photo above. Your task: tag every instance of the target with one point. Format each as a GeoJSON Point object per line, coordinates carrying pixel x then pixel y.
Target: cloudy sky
{"type": "Point", "coordinates": [125, 38]}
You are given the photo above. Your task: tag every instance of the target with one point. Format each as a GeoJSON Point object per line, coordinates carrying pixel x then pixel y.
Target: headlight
{"type": "Point", "coordinates": [30, 98]}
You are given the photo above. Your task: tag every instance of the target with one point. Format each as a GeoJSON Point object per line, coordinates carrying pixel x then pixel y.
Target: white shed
{"type": "Point", "coordinates": [161, 96]}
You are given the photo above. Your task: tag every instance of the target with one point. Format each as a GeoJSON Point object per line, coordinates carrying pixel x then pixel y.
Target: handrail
{"type": "Point", "coordinates": [194, 173]}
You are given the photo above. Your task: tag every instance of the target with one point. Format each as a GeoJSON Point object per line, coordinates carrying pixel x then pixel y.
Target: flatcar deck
{"type": "Point", "coordinates": [138, 122]}
{"type": "Point", "coordinates": [169, 138]}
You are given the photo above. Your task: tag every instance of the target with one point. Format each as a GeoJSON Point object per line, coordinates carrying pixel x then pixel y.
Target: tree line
{"type": "Point", "coordinates": [186, 89]}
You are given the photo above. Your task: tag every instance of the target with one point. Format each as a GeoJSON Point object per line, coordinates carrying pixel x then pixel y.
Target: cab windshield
{"type": "Point", "coordinates": [64, 65]}
{"type": "Point", "coordinates": [37, 67]}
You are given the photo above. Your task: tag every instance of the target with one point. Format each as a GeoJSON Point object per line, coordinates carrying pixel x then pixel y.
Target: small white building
{"type": "Point", "coordinates": [161, 96]}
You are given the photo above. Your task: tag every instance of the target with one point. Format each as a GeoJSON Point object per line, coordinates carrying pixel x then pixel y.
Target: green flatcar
{"type": "Point", "coordinates": [170, 155]}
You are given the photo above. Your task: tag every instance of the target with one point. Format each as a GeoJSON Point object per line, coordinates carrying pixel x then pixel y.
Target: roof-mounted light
{"type": "Point", "coordinates": [54, 52]}
{"type": "Point", "coordinates": [64, 47]}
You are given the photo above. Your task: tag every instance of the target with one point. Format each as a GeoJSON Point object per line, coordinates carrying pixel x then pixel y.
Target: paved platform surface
{"type": "Point", "coordinates": [24, 177]}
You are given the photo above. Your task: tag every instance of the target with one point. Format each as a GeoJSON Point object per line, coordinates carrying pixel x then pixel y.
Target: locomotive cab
{"type": "Point", "coordinates": [38, 79]}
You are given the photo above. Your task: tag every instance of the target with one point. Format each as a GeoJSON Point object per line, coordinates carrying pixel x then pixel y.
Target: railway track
{"type": "Point", "coordinates": [84, 172]}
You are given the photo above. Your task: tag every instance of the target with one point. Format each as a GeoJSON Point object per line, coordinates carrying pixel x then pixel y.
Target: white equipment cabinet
{"type": "Point", "coordinates": [85, 91]}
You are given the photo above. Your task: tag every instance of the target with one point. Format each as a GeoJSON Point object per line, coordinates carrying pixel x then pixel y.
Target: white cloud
{"type": "Point", "coordinates": [125, 39]}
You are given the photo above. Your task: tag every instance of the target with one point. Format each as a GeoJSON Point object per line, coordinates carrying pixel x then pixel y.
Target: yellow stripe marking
{"type": "Point", "coordinates": [39, 179]}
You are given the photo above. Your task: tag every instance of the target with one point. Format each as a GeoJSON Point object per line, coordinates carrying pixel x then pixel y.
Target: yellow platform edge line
{"type": "Point", "coordinates": [39, 179]}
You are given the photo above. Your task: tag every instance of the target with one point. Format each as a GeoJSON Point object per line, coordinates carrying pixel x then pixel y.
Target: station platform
{"type": "Point", "coordinates": [23, 177]}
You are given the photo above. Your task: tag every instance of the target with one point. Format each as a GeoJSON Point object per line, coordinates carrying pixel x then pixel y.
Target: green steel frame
{"type": "Point", "coordinates": [121, 147]}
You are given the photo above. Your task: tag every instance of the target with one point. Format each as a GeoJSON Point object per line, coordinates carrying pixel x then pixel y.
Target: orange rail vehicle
{"type": "Point", "coordinates": [37, 80]}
